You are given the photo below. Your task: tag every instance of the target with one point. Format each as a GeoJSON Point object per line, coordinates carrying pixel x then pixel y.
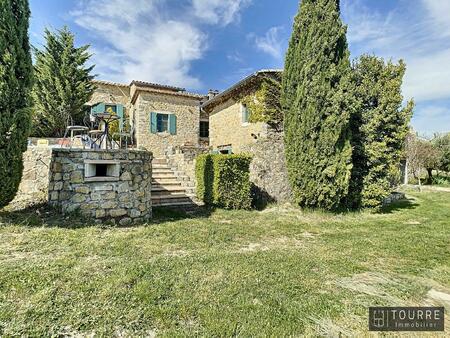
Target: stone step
{"type": "Point", "coordinates": [176, 204]}
{"type": "Point", "coordinates": [162, 167]}
{"type": "Point", "coordinates": [165, 182]}
{"type": "Point", "coordinates": [171, 201]}
{"type": "Point", "coordinates": [159, 161]}
{"type": "Point", "coordinates": [158, 187]}
{"type": "Point", "coordinates": [164, 176]}
{"type": "Point", "coordinates": [162, 171]}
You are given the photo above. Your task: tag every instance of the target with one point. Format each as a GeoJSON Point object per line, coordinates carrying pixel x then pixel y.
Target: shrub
{"type": "Point", "coordinates": [224, 180]}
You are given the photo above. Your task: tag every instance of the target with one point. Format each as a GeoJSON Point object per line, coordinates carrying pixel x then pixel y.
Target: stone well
{"type": "Point", "coordinates": [108, 185]}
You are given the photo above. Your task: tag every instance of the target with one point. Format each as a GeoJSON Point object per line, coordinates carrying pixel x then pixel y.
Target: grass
{"type": "Point", "coordinates": [278, 272]}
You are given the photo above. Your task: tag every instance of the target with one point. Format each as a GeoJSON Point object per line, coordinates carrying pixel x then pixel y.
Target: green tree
{"type": "Point", "coordinates": [63, 83]}
{"type": "Point", "coordinates": [15, 84]}
{"type": "Point", "coordinates": [379, 129]}
{"type": "Point", "coordinates": [317, 105]}
{"type": "Point", "coordinates": [442, 144]}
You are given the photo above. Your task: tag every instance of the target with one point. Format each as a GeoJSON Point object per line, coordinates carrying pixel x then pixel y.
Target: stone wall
{"type": "Point", "coordinates": [226, 127]}
{"type": "Point", "coordinates": [123, 197]}
{"type": "Point", "coordinates": [110, 93]}
{"type": "Point", "coordinates": [187, 110]}
{"type": "Point", "coordinates": [268, 170]}
{"type": "Point", "coordinates": [35, 178]}
{"type": "Point", "coordinates": [183, 159]}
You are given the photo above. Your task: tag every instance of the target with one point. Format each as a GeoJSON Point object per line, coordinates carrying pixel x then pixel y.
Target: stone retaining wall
{"type": "Point", "coordinates": [123, 197]}
{"type": "Point", "coordinates": [35, 178]}
{"type": "Point", "coordinates": [268, 171]}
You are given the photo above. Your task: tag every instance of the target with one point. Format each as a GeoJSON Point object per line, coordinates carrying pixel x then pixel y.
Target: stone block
{"type": "Point", "coordinates": [82, 189]}
{"type": "Point", "coordinates": [79, 198]}
{"type": "Point", "coordinates": [109, 205]}
{"type": "Point", "coordinates": [126, 176]}
{"type": "Point", "coordinates": [58, 186]}
{"type": "Point", "coordinates": [125, 222]}
{"type": "Point", "coordinates": [134, 213]}
{"type": "Point", "coordinates": [109, 196]}
{"type": "Point", "coordinates": [117, 212]}
{"type": "Point", "coordinates": [76, 177]}
{"type": "Point", "coordinates": [123, 188]}
{"type": "Point", "coordinates": [100, 213]}
{"type": "Point", "coordinates": [103, 187]}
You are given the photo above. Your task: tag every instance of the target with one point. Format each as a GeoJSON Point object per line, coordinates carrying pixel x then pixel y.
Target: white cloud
{"type": "Point", "coordinates": [221, 12]}
{"type": "Point", "coordinates": [439, 13]}
{"type": "Point", "coordinates": [416, 31]}
{"type": "Point", "coordinates": [430, 119]}
{"type": "Point", "coordinates": [271, 43]}
{"type": "Point", "coordinates": [148, 40]}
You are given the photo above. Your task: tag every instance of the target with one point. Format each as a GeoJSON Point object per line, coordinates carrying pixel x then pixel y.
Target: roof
{"type": "Point", "coordinates": [238, 86]}
{"type": "Point", "coordinates": [156, 85]}
{"type": "Point", "coordinates": [151, 89]}
{"type": "Point", "coordinates": [109, 83]}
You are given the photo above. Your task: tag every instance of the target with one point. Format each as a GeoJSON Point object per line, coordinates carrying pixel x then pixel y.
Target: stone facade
{"type": "Point", "coordinates": [187, 111]}
{"type": "Point", "coordinates": [123, 196]}
{"type": "Point", "coordinates": [35, 177]}
{"type": "Point", "coordinates": [227, 128]}
{"type": "Point", "coordinates": [268, 171]}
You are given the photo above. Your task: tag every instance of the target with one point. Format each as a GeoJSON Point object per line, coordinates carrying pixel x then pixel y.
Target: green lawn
{"type": "Point", "coordinates": [277, 272]}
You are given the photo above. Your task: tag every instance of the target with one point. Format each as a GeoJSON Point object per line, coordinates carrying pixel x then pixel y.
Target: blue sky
{"type": "Point", "coordinates": [203, 44]}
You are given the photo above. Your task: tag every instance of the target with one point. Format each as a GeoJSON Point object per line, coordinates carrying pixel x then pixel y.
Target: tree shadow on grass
{"type": "Point", "coordinates": [403, 204]}
{"type": "Point", "coordinates": [43, 215]}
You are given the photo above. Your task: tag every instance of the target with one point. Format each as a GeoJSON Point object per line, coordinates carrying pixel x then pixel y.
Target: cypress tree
{"type": "Point", "coordinates": [379, 129]}
{"type": "Point", "coordinates": [15, 82]}
{"type": "Point", "coordinates": [63, 83]}
{"type": "Point", "coordinates": [317, 107]}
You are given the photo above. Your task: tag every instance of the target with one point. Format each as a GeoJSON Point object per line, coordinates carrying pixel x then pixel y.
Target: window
{"type": "Point", "coordinates": [111, 108]}
{"type": "Point", "coordinates": [245, 114]}
{"type": "Point", "coordinates": [162, 123]}
{"type": "Point", "coordinates": [204, 129]}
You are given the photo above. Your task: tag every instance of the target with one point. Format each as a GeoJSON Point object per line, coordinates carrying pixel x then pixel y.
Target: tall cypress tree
{"type": "Point", "coordinates": [63, 83]}
{"type": "Point", "coordinates": [316, 105]}
{"type": "Point", "coordinates": [379, 129]}
{"type": "Point", "coordinates": [15, 82]}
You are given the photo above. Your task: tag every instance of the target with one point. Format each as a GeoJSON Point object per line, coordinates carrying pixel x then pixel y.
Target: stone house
{"type": "Point", "coordinates": [177, 126]}
{"type": "Point", "coordinates": [160, 116]}
{"type": "Point", "coordinates": [230, 129]}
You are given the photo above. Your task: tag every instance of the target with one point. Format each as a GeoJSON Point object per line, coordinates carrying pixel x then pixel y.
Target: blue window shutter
{"type": "Point", "coordinates": [100, 108]}
{"type": "Point", "coordinates": [120, 113]}
{"type": "Point", "coordinates": [153, 123]}
{"type": "Point", "coordinates": [173, 124]}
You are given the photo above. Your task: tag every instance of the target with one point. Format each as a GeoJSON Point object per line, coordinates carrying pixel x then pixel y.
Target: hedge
{"type": "Point", "coordinates": [224, 180]}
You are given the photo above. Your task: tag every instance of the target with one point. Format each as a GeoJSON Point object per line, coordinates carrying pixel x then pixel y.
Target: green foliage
{"type": "Point", "coordinates": [379, 130]}
{"type": "Point", "coordinates": [204, 171]}
{"type": "Point", "coordinates": [264, 105]}
{"type": "Point", "coordinates": [317, 107]}
{"type": "Point", "coordinates": [15, 82]}
{"type": "Point", "coordinates": [63, 83]}
{"type": "Point", "coordinates": [442, 144]}
{"type": "Point", "coordinates": [224, 180]}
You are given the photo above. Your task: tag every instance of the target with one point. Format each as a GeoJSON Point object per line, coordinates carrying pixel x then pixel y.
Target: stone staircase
{"type": "Point", "coordinates": [171, 188]}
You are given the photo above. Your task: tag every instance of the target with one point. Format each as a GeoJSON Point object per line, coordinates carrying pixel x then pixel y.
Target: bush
{"type": "Point", "coordinates": [224, 180]}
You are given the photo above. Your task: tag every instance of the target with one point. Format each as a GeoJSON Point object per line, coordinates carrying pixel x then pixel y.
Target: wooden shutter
{"type": "Point", "coordinates": [120, 113]}
{"type": "Point", "coordinates": [98, 109]}
{"type": "Point", "coordinates": [153, 123]}
{"type": "Point", "coordinates": [172, 124]}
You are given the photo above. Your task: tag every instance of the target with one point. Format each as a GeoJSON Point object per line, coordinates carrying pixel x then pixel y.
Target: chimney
{"type": "Point", "coordinates": [212, 93]}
